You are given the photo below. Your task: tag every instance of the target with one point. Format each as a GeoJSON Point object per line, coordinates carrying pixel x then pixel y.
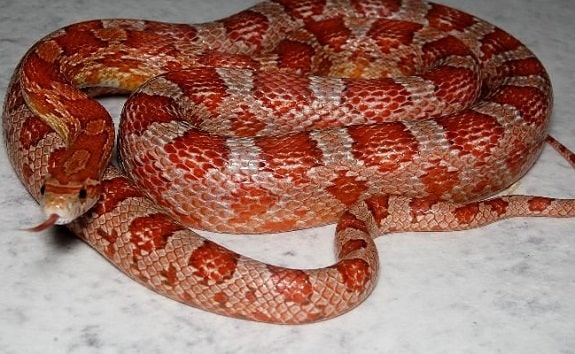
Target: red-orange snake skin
{"type": "Point", "coordinates": [387, 115]}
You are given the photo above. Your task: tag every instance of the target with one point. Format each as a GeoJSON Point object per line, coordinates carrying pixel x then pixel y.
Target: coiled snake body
{"type": "Point", "coordinates": [386, 115]}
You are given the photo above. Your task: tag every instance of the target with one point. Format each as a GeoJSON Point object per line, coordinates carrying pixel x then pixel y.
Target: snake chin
{"type": "Point", "coordinates": [59, 211]}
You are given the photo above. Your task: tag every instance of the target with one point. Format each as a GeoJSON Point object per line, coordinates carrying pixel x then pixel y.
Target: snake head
{"type": "Point", "coordinates": [63, 203]}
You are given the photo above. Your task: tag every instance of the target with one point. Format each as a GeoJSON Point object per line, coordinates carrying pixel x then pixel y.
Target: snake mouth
{"type": "Point", "coordinates": [50, 221]}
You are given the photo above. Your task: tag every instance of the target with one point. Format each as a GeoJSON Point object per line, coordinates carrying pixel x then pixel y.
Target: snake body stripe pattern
{"type": "Point", "coordinates": [383, 115]}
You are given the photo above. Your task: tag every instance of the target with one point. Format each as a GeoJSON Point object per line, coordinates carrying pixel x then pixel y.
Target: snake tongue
{"type": "Point", "coordinates": [45, 225]}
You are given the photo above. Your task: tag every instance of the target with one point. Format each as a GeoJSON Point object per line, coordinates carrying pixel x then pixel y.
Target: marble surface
{"type": "Point", "coordinates": [505, 288]}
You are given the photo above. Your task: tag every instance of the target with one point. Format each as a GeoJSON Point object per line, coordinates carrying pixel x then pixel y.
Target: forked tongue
{"type": "Point", "coordinates": [51, 221]}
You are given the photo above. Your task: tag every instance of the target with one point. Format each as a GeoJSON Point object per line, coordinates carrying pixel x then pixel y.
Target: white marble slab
{"type": "Point", "coordinates": [506, 288]}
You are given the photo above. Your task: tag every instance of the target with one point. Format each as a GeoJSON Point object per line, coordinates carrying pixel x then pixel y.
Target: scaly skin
{"type": "Point", "coordinates": [402, 117]}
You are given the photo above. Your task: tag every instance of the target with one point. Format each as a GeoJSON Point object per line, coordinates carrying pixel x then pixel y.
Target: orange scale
{"type": "Point", "coordinates": [355, 273]}
{"type": "Point", "coordinates": [539, 204]}
{"type": "Point", "coordinates": [498, 205]}
{"type": "Point", "coordinates": [448, 19]}
{"type": "Point", "coordinates": [247, 26]}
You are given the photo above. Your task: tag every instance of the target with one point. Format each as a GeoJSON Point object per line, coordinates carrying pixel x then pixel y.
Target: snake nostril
{"type": "Point", "coordinates": [82, 194]}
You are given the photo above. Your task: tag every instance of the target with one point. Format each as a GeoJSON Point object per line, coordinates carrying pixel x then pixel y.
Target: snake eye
{"type": "Point", "coordinates": [43, 189]}
{"type": "Point", "coordinates": [82, 194]}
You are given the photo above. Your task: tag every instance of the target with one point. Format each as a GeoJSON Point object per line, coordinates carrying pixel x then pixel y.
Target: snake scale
{"type": "Point", "coordinates": [381, 115]}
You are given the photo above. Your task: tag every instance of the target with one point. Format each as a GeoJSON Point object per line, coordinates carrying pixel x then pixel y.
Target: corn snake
{"type": "Point", "coordinates": [295, 304]}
